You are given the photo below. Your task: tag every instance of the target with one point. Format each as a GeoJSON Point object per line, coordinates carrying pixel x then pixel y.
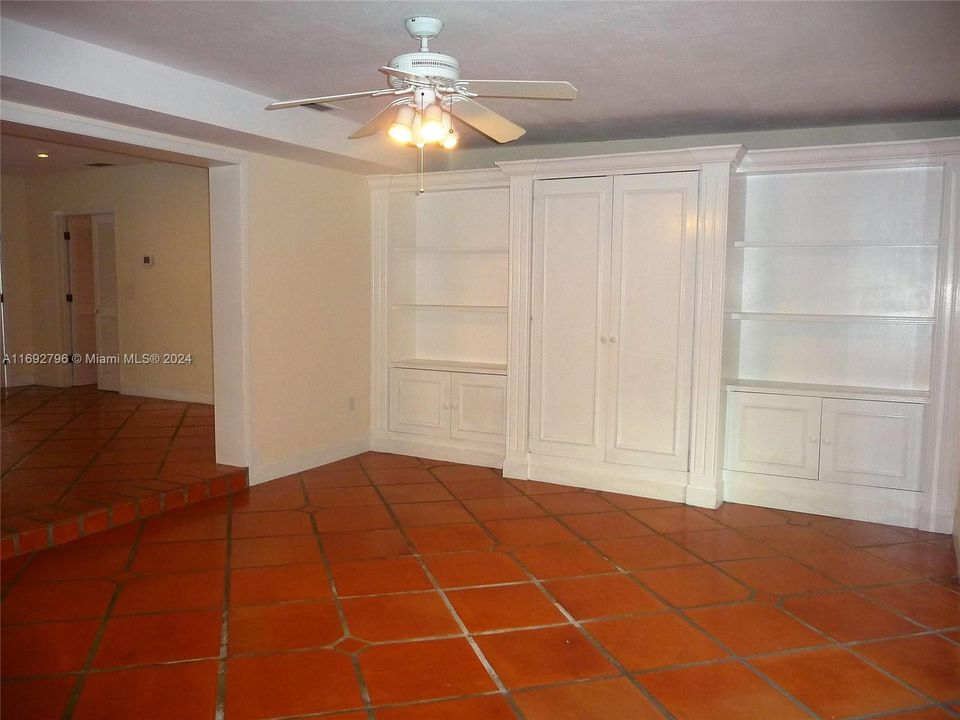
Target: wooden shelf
{"type": "Point", "coordinates": [800, 317]}
{"type": "Point", "coordinates": [466, 308]}
{"type": "Point", "coordinates": [452, 366]}
{"type": "Point", "coordinates": [844, 392]}
{"type": "Point", "coordinates": [784, 246]}
{"type": "Point", "coordinates": [449, 250]}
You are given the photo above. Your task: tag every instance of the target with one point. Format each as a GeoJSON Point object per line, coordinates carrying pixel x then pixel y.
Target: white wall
{"type": "Point", "coordinates": [15, 266]}
{"type": "Point", "coordinates": [163, 210]}
{"type": "Point", "coordinates": [308, 241]}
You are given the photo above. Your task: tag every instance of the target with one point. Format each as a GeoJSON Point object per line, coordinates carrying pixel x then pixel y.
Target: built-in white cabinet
{"type": "Point", "coordinates": [447, 405]}
{"type": "Point", "coordinates": [612, 318]}
{"type": "Point", "coordinates": [834, 440]}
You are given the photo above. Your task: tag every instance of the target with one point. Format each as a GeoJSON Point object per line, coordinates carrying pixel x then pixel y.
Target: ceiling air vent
{"type": "Point", "coordinates": [100, 164]}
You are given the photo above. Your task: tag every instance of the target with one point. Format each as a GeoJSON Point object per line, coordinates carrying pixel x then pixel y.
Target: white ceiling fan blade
{"type": "Point", "coordinates": [402, 74]}
{"type": "Point", "coordinates": [328, 98]}
{"type": "Point", "coordinates": [485, 120]}
{"type": "Point", "coordinates": [381, 121]}
{"type": "Point", "coordinates": [533, 89]}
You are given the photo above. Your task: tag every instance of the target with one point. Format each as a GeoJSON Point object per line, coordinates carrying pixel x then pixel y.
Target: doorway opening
{"type": "Point", "coordinates": [90, 253]}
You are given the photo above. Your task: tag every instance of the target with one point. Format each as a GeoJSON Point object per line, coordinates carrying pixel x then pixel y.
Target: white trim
{"type": "Point", "coordinates": [626, 479]}
{"type": "Point", "coordinates": [451, 451]}
{"type": "Point", "coordinates": [901, 153]}
{"type": "Point", "coordinates": [625, 163]}
{"type": "Point", "coordinates": [444, 180]}
{"type": "Point", "coordinates": [281, 468]}
{"type": "Point", "coordinates": [166, 393]}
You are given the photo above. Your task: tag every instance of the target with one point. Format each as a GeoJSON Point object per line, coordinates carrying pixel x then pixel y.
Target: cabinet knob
{"type": "Point", "coordinates": [612, 339]}
{"type": "Point", "coordinates": [813, 438]}
{"type": "Point", "coordinates": [603, 338]}
{"type": "Point", "coordinates": [826, 441]}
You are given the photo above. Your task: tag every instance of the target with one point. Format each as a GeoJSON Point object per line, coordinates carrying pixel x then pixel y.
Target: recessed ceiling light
{"type": "Point", "coordinates": [42, 155]}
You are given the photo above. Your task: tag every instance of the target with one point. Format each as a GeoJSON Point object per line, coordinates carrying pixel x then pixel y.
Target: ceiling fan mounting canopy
{"type": "Point", "coordinates": [429, 83]}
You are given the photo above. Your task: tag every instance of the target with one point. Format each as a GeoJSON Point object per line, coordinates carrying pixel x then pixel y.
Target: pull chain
{"type": "Point", "coordinates": [421, 169]}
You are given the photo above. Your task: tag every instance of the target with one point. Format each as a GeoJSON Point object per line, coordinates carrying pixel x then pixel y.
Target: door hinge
{"type": "Point", "coordinates": [69, 297]}
{"type": "Point", "coordinates": [66, 236]}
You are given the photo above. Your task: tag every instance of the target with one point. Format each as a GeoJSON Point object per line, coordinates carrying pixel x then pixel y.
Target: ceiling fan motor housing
{"type": "Point", "coordinates": [428, 64]}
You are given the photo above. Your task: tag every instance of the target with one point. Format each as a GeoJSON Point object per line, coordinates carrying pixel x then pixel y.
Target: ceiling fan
{"type": "Point", "coordinates": [429, 94]}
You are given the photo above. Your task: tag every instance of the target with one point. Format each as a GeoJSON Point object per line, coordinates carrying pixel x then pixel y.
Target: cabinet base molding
{"type": "Point", "coordinates": [851, 502]}
{"type": "Point", "coordinates": [271, 471]}
{"type": "Point", "coordinates": [438, 450]}
{"type": "Point", "coordinates": [704, 495]}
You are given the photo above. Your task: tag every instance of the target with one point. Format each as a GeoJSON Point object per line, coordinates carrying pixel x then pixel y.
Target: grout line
{"type": "Point", "coordinates": [221, 688]}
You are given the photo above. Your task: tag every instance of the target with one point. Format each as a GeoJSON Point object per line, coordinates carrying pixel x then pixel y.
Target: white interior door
{"type": "Point", "coordinates": [571, 245]}
{"type": "Point", "coordinates": [82, 294]}
{"type": "Point", "coordinates": [420, 402]}
{"type": "Point", "coordinates": [871, 443]}
{"type": "Point", "coordinates": [773, 434]}
{"type": "Point", "coordinates": [107, 317]}
{"type": "Point", "coordinates": [649, 336]}
{"type": "Point", "coordinates": [478, 406]}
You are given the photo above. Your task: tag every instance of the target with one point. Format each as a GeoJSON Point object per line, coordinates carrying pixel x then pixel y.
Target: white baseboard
{"type": "Point", "coordinates": [281, 468]}
{"type": "Point", "coordinates": [852, 502]}
{"type": "Point", "coordinates": [704, 496]}
{"type": "Point", "coordinates": [193, 396]}
{"type": "Point", "coordinates": [624, 479]}
{"type": "Point", "coordinates": [450, 451]}
{"type": "Point", "coordinates": [514, 467]}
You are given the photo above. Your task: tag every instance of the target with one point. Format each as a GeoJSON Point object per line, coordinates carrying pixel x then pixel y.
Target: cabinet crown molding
{"type": "Point", "coordinates": [442, 180]}
{"type": "Point", "coordinates": [861, 156]}
{"type": "Point", "coordinates": [624, 163]}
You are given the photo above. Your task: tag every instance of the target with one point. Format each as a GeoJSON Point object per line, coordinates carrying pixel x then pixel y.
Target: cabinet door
{"type": "Point", "coordinates": [478, 404]}
{"type": "Point", "coordinates": [571, 245]}
{"type": "Point", "coordinates": [649, 335]}
{"type": "Point", "coordinates": [773, 434]}
{"type": "Point", "coordinates": [872, 443]}
{"type": "Point", "coordinates": [420, 402]}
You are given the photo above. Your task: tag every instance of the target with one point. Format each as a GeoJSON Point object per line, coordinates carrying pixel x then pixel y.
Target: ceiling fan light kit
{"type": "Point", "coordinates": [430, 96]}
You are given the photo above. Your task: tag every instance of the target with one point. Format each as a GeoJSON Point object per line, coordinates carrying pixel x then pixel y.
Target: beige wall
{"type": "Point", "coordinates": [17, 295]}
{"type": "Point", "coordinates": [162, 210]}
{"type": "Point", "coordinates": [309, 291]}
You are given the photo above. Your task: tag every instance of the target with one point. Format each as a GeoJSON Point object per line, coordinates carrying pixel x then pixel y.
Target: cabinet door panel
{"type": "Point", "coordinates": [420, 402]}
{"type": "Point", "coordinates": [650, 330]}
{"type": "Point", "coordinates": [773, 434]}
{"type": "Point", "coordinates": [478, 405]}
{"type": "Point", "coordinates": [872, 443]}
{"type": "Point", "coordinates": [571, 240]}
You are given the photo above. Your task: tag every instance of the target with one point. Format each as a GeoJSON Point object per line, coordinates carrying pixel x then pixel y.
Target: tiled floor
{"type": "Point", "coordinates": [77, 461]}
{"type": "Point", "coordinates": [385, 587]}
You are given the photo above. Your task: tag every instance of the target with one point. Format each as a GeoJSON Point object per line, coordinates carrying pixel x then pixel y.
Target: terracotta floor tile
{"type": "Point", "coordinates": [847, 616]}
{"type": "Point", "coordinates": [750, 628]}
{"type": "Point", "coordinates": [254, 552]}
{"type": "Point", "coordinates": [383, 575]}
{"type": "Point", "coordinates": [605, 525]}
{"type": "Point", "coordinates": [641, 553]}
{"type": "Point", "coordinates": [932, 713]}
{"type": "Point", "coordinates": [646, 642]}
{"type": "Point", "coordinates": [536, 487]}
{"type": "Point", "coordinates": [287, 626]}
{"type": "Point", "coordinates": [373, 460]}
{"type": "Point", "coordinates": [278, 583]}
{"type": "Point", "coordinates": [343, 496]}
{"type": "Point", "coordinates": [692, 585]}
{"type": "Point", "coordinates": [675, 519]}
{"type": "Point", "coordinates": [159, 692]}
{"type": "Point", "coordinates": [504, 508]}
{"type": "Point", "coordinates": [326, 477]}
{"type": "Point", "coordinates": [714, 545]}
{"type": "Point", "coordinates": [176, 557]}
{"type": "Point", "coordinates": [76, 563]}
{"type": "Point", "coordinates": [363, 517]}
{"type": "Point", "coordinates": [776, 575]}
{"type": "Point", "coordinates": [415, 493]}
{"type": "Point", "coordinates": [399, 617]}
{"type": "Point", "coordinates": [596, 700]}
{"type": "Point", "coordinates": [536, 657]}
{"type": "Point", "coordinates": [149, 639]}
{"type": "Point", "coordinates": [862, 533]}
{"type": "Point", "coordinates": [420, 514]}
{"type": "Point", "coordinates": [179, 591]}
{"type": "Point", "coordinates": [401, 476]}
{"type": "Point", "coordinates": [924, 602]}
{"type": "Point", "coordinates": [854, 567]}
{"type": "Point", "coordinates": [342, 546]}
{"type": "Point", "coordinates": [46, 648]}
{"type": "Point", "coordinates": [602, 596]}
{"type": "Point", "coordinates": [44, 602]}
{"type": "Point", "coordinates": [479, 489]}
{"type": "Point", "coordinates": [487, 707]}
{"type": "Point", "coordinates": [36, 699]}
{"type": "Point", "coordinates": [198, 522]}
{"type": "Point", "coordinates": [271, 523]}
{"type": "Point", "coordinates": [505, 606]}
{"type": "Point", "coordinates": [482, 567]}
{"type": "Point", "coordinates": [456, 473]}
{"type": "Point", "coordinates": [920, 558]}
{"type": "Point", "coordinates": [793, 539]}
{"type": "Point", "coordinates": [572, 503]}
{"type": "Point", "coordinates": [741, 516]}
{"type": "Point", "coordinates": [725, 690]}
{"type": "Point", "coordinates": [562, 560]}
{"type": "Point", "coordinates": [530, 531]}
{"type": "Point", "coordinates": [449, 538]}
{"type": "Point", "coordinates": [834, 683]}
{"type": "Point", "coordinates": [262, 498]}
{"type": "Point", "coordinates": [268, 686]}
{"type": "Point", "coordinates": [928, 663]}
{"type": "Point", "coordinates": [407, 672]}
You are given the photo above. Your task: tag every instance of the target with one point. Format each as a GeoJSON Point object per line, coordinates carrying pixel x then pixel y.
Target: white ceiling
{"type": "Point", "coordinates": [18, 156]}
{"type": "Point", "coordinates": [644, 69]}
